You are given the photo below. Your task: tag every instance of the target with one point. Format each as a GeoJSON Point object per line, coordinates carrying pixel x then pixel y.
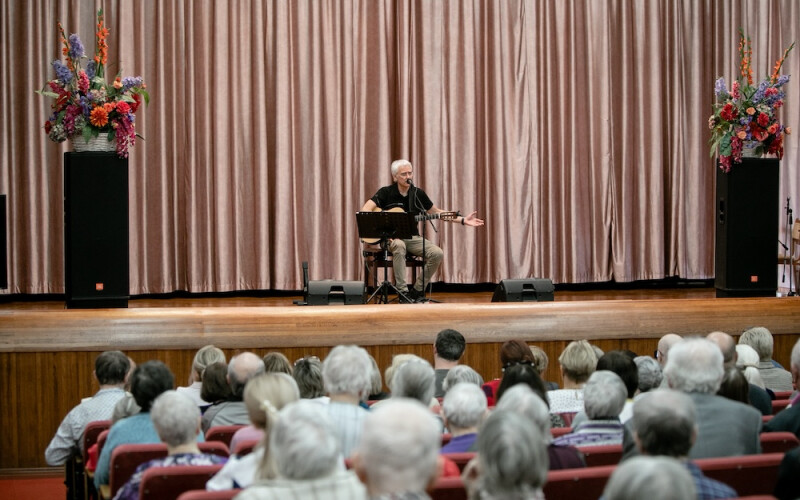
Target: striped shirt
{"type": "Point", "coordinates": [348, 419]}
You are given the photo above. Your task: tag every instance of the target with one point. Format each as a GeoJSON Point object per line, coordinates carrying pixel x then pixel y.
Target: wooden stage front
{"type": "Point", "coordinates": [47, 352]}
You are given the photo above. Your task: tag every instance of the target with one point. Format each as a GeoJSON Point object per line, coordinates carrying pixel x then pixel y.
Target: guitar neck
{"type": "Point", "coordinates": [440, 215]}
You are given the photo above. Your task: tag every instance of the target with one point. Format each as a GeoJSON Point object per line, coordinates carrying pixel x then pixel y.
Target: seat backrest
{"type": "Point", "coordinates": [766, 418]}
{"type": "Point", "coordinates": [559, 431]}
{"type": "Point", "coordinates": [783, 394]}
{"type": "Point", "coordinates": [587, 482]}
{"type": "Point", "coordinates": [209, 495]}
{"type": "Point", "coordinates": [127, 457]}
{"type": "Point", "coordinates": [166, 483]}
{"type": "Point", "coordinates": [778, 405]}
{"type": "Point", "coordinates": [214, 448]}
{"type": "Point", "coordinates": [567, 417]}
{"type": "Point", "coordinates": [92, 432]}
{"type": "Point", "coordinates": [607, 454]}
{"type": "Point", "coordinates": [778, 442]}
{"type": "Point", "coordinates": [245, 447]}
{"type": "Point", "coordinates": [747, 474]}
{"type": "Point", "coordinates": [448, 488]}
{"type": "Point", "coordinates": [446, 437]}
{"type": "Point", "coordinates": [461, 459]}
{"type": "Point", "coordinates": [101, 441]}
{"type": "Point", "coordinates": [222, 433]}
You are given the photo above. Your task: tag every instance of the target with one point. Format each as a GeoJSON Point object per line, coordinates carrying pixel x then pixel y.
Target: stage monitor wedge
{"type": "Point", "coordinates": [332, 292]}
{"type": "Point", "coordinates": [524, 290]}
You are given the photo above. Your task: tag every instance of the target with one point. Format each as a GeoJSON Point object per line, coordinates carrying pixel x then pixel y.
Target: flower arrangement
{"type": "Point", "coordinates": [747, 115]}
{"type": "Point", "coordinates": [85, 104]}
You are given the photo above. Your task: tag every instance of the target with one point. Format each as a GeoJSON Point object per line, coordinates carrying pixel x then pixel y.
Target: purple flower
{"type": "Point", "coordinates": [759, 95]}
{"type": "Point", "coordinates": [91, 69]}
{"type": "Point", "coordinates": [782, 80]}
{"type": "Point", "coordinates": [131, 81]}
{"type": "Point", "coordinates": [63, 73]}
{"type": "Point", "coordinates": [720, 89]}
{"type": "Point", "coordinates": [75, 47]}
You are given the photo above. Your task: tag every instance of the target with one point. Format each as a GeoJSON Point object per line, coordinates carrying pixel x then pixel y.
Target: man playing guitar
{"type": "Point", "coordinates": [403, 193]}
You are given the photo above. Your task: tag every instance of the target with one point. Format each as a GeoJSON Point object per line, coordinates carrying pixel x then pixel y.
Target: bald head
{"type": "Point", "coordinates": [665, 344]}
{"type": "Point", "coordinates": [242, 368]}
{"type": "Point", "coordinates": [726, 344]}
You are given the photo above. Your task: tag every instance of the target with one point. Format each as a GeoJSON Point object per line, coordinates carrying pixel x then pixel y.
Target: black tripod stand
{"type": "Point", "coordinates": [789, 255]}
{"type": "Point", "coordinates": [383, 226]}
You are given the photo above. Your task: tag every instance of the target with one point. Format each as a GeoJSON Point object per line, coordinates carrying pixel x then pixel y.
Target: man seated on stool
{"type": "Point", "coordinates": [412, 199]}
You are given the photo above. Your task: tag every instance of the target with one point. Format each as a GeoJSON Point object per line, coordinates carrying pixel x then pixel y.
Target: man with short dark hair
{"type": "Point", "coordinates": [110, 369]}
{"type": "Point", "coordinates": [447, 351]}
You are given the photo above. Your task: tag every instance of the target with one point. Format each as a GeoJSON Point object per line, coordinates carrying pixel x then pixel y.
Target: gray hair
{"type": "Point", "coordinates": [375, 377]}
{"type": "Point", "coordinates": [464, 405]}
{"type": "Point", "coordinates": [242, 368]}
{"type": "Point", "coordinates": [461, 374]}
{"type": "Point", "coordinates": [308, 375]}
{"type": "Point", "coordinates": [399, 163]}
{"type": "Point", "coordinates": [513, 457]}
{"type": "Point", "coordinates": [650, 374]}
{"type": "Point", "coordinates": [399, 446]}
{"type": "Point", "coordinates": [205, 356]}
{"type": "Point", "coordinates": [304, 442]}
{"type": "Point", "coordinates": [540, 359]}
{"type": "Point", "coordinates": [176, 418]}
{"type": "Point", "coordinates": [347, 370]}
{"type": "Point", "coordinates": [523, 400]}
{"type": "Point", "coordinates": [695, 365]}
{"type": "Point", "coordinates": [664, 422]}
{"type": "Point", "coordinates": [654, 478]}
{"type": "Point", "coordinates": [415, 379]}
{"type": "Point", "coordinates": [604, 395]}
{"type": "Point", "coordinates": [795, 359]}
{"type": "Point", "coordinates": [747, 360]}
{"type": "Point", "coordinates": [760, 339]}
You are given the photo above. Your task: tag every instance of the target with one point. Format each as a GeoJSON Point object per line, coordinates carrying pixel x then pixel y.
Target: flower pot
{"type": "Point", "coordinates": [99, 143]}
{"type": "Point", "coordinates": [750, 149]}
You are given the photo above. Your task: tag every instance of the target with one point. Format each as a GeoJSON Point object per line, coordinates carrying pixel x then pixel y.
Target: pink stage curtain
{"type": "Point", "coordinates": [577, 129]}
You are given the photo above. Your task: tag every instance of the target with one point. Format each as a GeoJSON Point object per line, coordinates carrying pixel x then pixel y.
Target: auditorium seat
{"type": "Point", "coordinates": [214, 448]}
{"type": "Point", "coordinates": [783, 394]}
{"type": "Point", "coordinates": [568, 417]}
{"type": "Point", "coordinates": [747, 474]}
{"type": "Point", "coordinates": [778, 405]}
{"type": "Point", "coordinates": [222, 433]}
{"type": "Point", "coordinates": [766, 418]}
{"type": "Point", "coordinates": [778, 442]}
{"type": "Point", "coordinates": [209, 495]}
{"type": "Point", "coordinates": [243, 447]}
{"type": "Point", "coordinates": [162, 483]}
{"type": "Point", "coordinates": [448, 488]}
{"type": "Point", "coordinates": [607, 454]}
{"type": "Point", "coordinates": [587, 482]}
{"type": "Point", "coordinates": [559, 431]}
{"type": "Point", "coordinates": [461, 459]}
{"type": "Point", "coordinates": [446, 437]}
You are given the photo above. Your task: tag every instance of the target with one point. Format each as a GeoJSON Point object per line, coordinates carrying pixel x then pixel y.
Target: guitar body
{"type": "Point", "coordinates": [441, 215]}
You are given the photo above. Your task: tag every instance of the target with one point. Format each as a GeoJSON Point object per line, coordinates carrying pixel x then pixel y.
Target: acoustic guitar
{"type": "Point", "coordinates": [446, 216]}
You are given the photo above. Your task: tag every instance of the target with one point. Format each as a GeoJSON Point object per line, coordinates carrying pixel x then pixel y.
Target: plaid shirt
{"type": "Point", "coordinates": [707, 488]}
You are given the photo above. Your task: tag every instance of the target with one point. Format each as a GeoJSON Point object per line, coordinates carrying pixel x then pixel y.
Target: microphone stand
{"type": "Point", "coordinates": [415, 204]}
{"type": "Point", "coordinates": [790, 250]}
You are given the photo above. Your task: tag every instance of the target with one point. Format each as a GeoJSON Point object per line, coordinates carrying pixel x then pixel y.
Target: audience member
{"type": "Point", "coordinates": [277, 362]}
{"type": "Point", "coordinates": [523, 400]}
{"type": "Point", "coordinates": [397, 360]}
{"type": "Point", "coordinates": [747, 360]}
{"type": "Point", "coordinates": [725, 427]}
{"type": "Point", "coordinates": [653, 478]}
{"type": "Point", "coordinates": [604, 397]}
{"type": "Point", "coordinates": [241, 369]}
{"type": "Point", "coordinates": [447, 351]}
{"type": "Point", "coordinates": [787, 486]}
{"type": "Point", "coordinates": [215, 388]}
{"type": "Point", "coordinates": [126, 406]}
{"type": "Point", "coordinates": [176, 419]}
{"type": "Point", "coordinates": [307, 459]}
{"type": "Point", "coordinates": [265, 395]}
{"type": "Point", "coordinates": [621, 363]}
{"type": "Point", "coordinates": [463, 410]}
{"type": "Point", "coordinates": [376, 392]}
{"type": "Point", "coordinates": [527, 374]}
{"type": "Point", "coordinates": [756, 395]}
{"type": "Point", "coordinates": [346, 374]}
{"type": "Point", "coordinates": [649, 374]}
{"type": "Point", "coordinates": [578, 362]}
{"type": "Point", "coordinates": [788, 420]}
{"type": "Point", "coordinates": [399, 451]}
{"type": "Point", "coordinates": [204, 357]}
{"type": "Point", "coordinates": [664, 423]}
{"type": "Point", "coordinates": [734, 386]}
{"type": "Point", "coordinates": [598, 352]}
{"type": "Point", "coordinates": [110, 370]}
{"type": "Point", "coordinates": [774, 377]}
{"type": "Point", "coordinates": [459, 374]}
{"type": "Point", "coordinates": [414, 379]}
{"type": "Point", "coordinates": [511, 462]}
{"type": "Point", "coordinates": [512, 352]}
{"type": "Point", "coordinates": [541, 362]}
{"type": "Point", "coordinates": [307, 374]}
{"type": "Point", "coordinates": [148, 381]}
{"type": "Point", "coordinates": [665, 343]}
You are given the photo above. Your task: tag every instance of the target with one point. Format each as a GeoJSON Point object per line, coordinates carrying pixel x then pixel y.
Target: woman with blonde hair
{"type": "Point", "coordinates": [205, 356]}
{"type": "Point", "coordinates": [264, 397]}
{"type": "Point", "coordinates": [578, 361]}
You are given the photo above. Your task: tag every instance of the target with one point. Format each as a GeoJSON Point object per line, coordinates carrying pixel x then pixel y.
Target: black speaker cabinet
{"type": "Point", "coordinates": [747, 213]}
{"type": "Point", "coordinates": [96, 230]}
{"type": "Point", "coordinates": [524, 290]}
{"type": "Point", "coordinates": [330, 292]}
{"type": "Point", "coordinates": [3, 243]}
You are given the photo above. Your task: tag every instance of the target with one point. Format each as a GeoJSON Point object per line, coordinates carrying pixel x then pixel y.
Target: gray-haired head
{"type": "Point", "coordinates": [747, 360]}
{"type": "Point", "coordinates": [204, 357]}
{"type": "Point", "coordinates": [795, 357]}
{"type": "Point", "coordinates": [376, 381]}
{"type": "Point", "coordinates": [695, 365]}
{"type": "Point", "coordinates": [347, 370]}
{"type": "Point", "coordinates": [242, 368]}
{"type": "Point", "coordinates": [111, 367]}
{"type": "Point", "coordinates": [399, 447]}
{"type": "Point", "coordinates": [664, 423]}
{"type": "Point", "coordinates": [414, 379]}
{"type": "Point", "coordinates": [464, 406]}
{"type": "Point", "coordinates": [304, 442]}
{"type": "Point", "coordinates": [399, 163]}
{"type": "Point", "coordinates": [523, 400]}
{"type": "Point", "coordinates": [760, 339]}
{"type": "Point", "coordinates": [459, 374]}
{"type": "Point", "coordinates": [650, 374]}
{"type": "Point", "coordinates": [176, 418]}
{"type": "Point", "coordinates": [513, 456]}
{"type": "Point", "coordinates": [604, 395]}
{"type": "Point", "coordinates": [654, 478]}
{"type": "Point", "coordinates": [308, 375]}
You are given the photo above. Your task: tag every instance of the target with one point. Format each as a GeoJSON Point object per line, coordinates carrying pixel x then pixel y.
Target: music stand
{"type": "Point", "coordinates": [385, 226]}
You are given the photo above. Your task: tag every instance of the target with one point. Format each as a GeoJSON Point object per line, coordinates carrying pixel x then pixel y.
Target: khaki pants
{"type": "Point", "coordinates": [399, 249]}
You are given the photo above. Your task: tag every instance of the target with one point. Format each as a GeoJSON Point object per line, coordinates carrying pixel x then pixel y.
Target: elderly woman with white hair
{"type": "Point", "coordinates": [307, 459]}
{"type": "Point", "coordinates": [650, 374]}
{"type": "Point", "coordinates": [463, 410]}
{"type": "Point", "coordinates": [176, 419]}
{"type": "Point", "coordinates": [461, 374]}
{"type": "Point", "coordinates": [604, 397]}
{"type": "Point", "coordinates": [747, 360]}
{"type": "Point", "coordinates": [774, 377]}
{"type": "Point", "coordinates": [347, 377]}
{"type": "Point", "coordinates": [654, 478]}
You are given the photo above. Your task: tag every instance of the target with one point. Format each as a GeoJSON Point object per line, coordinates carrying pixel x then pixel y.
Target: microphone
{"type": "Point", "coordinates": [409, 182]}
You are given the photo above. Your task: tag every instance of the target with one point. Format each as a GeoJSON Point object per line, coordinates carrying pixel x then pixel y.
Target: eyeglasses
{"type": "Point", "coordinates": [657, 354]}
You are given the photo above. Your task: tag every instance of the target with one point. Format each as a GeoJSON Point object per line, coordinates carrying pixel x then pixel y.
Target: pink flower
{"type": "Point", "coordinates": [763, 119]}
{"type": "Point", "coordinates": [83, 81]}
{"type": "Point", "coordinates": [735, 90]}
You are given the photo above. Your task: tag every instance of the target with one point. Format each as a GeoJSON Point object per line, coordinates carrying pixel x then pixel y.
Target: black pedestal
{"type": "Point", "coordinates": [96, 230]}
{"type": "Point", "coordinates": [747, 229]}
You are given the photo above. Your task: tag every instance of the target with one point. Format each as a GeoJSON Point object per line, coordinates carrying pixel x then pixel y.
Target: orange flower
{"type": "Point", "coordinates": [741, 135]}
{"type": "Point", "coordinates": [787, 130]}
{"type": "Point", "coordinates": [109, 107]}
{"type": "Point", "coordinates": [118, 83]}
{"type": "Point", "coordinates": [751, 111]}
{"type": "Point", "coordinates": [98, 117]}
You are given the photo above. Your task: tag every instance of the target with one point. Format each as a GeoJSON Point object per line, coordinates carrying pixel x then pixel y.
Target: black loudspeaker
{"type": "Point", "coordinates": [3, 243]}
{"type": "Point", "coordinates": [96, 230]}
{"type": "Point", "coordinates": [330, 292]}
{"type": "Point", "coordinates": [524, 290]}
{"type": "Point", "coordinates": [747, 217]}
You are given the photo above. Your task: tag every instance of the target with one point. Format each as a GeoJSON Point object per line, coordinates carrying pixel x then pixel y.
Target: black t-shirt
{"type": "Point", "coordinates": [389, 197]}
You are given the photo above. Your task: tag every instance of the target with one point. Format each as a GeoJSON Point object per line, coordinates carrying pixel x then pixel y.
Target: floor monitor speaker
{"type": "Point", "coordinates": [331, 292]}
{"type": "Point", "coordinates": [524, 290]}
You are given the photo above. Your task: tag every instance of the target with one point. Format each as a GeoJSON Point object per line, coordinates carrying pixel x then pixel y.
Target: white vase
{"type": "Point", "coordinates": [99, 143]}
{"type": "Point", "coordinates": [749, 149]}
